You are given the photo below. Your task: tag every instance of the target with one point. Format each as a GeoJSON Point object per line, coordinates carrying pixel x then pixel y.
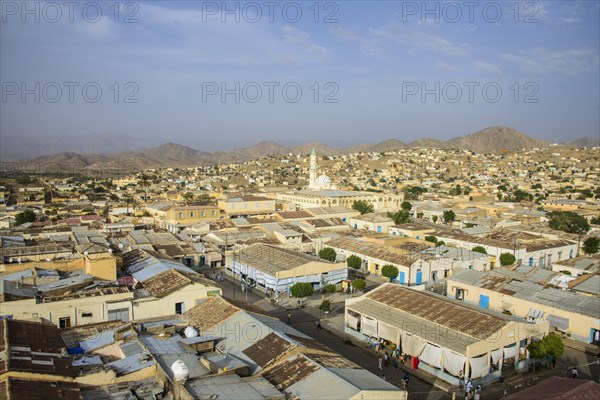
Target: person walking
{"type": "Point", "coordinates": [405, 381]}
{"type": "Point", "coordinates": [574, 372]}
{"type": "Point", "coordinates": [289, 316]}
{"type": "Point", "coordinates": [477, 393]}
{"type": "Point", "coordinates": [380, 363]}
{"type": "Point", "coordinates": [505, 393]}
{"type": "Point", "coordinates": [386, 359]}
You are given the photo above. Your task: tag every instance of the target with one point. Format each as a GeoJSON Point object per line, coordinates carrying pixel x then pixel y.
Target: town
{"type": "Point", "coordinates": [392, 272]}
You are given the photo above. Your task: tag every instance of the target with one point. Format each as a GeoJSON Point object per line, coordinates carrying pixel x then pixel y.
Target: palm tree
{"type": "Point", "coordinates": [144, 182]}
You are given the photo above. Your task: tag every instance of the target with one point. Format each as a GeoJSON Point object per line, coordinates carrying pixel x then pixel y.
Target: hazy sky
{"type": "Point", "coordinates": [367, 70]}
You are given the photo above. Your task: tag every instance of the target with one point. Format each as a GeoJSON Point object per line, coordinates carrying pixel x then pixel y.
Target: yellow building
{"type": "Point", "coordinates": [247, 205]}
{"type": "Point", "coordinates": [519, 294]}
{"type": "Point", "coordinates": [450, 339]}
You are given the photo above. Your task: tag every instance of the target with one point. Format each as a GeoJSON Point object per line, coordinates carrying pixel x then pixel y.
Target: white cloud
{"type": "Point", "coordinates": [421, 41]}
{"type": "Point", "coordinates": [566, 62]}
{"type": "Point", "coordinates": [487, 67]}
{"type": "Point", "coordinates": [570, 20]}
{"type": "Point", "coordinates": [295, 36]}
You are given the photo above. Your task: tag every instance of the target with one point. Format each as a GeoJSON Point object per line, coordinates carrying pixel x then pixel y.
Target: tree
{"type": "Point", "coordinates": [363, 206]}
{"type": "Point", "coordinates": [479, 249]}
{"type": "Point", "coordinates": [359, 284]}
{"type": "Point", "coordinates": [26, 216]}
{"type": "Point", "coordinates": [400, 217]}
{"type": "Point", "coordinates": [144, 182]}
{"type": "Point", "coordinates": [537, 349]}
{"type": "Point", "coordinates": [406, 205]}
{"type": "Point", "coordinates": [591, 245]}
{"type": "Point", "coordinates": [325, 305]}
{"type": "Point", "coordinates": [328, 254]}
{"type": "Point", "coordinates": [389, 271]}
{"type": "Point", "coordinates": [431, 239]}
{"type": "Point", "coordinates": [439, 243]}
{"type": "Point", "coordinates": [188, 197]}
{"type": "Point", "coordinates": [568, 221]}
{"type": "Point", "coordinates": [449, 216]}
{"type": "Point", "coordinates": [354, 261]}
{"type": "Point", "coordinates": [301, 290]}
{"type": "Point", "coordinates": [507, 259]}
{"type": "Point", "coordinates": [434, 218]}
{"type": "Point", "coordinates": [595, 221]}
{"type": "Point", "coordinates": [330, 289]}
{"type": "Point", "coordinates": [554, 345]}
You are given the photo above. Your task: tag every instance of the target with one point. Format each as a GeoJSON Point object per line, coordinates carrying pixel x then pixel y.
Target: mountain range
{"type": "Point", "coordinates": [489, 140]}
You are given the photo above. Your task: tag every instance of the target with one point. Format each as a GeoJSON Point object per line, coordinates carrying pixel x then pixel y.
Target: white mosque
{"type": "Point", "coordinates": [321, 182]}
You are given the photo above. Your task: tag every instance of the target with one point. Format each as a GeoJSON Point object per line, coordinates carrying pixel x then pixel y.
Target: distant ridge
{"type": "Point", "coordinates": [489, 140]}
{"type": "Point", "coordinates": [584, 142]}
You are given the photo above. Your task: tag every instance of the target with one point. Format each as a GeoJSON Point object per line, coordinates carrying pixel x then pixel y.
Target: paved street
{"type": "Point", "coordinates": [304, 321]}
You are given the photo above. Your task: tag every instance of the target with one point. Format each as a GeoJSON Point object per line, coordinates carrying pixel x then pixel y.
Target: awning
{"type": "Point", "coordinates": [387, 332]}
{"type": "Point", "coordinates": [560, 323]}
{"type": "Point", "coordinates": [412, 345]}
{"type": "Point", "coordinates": [496, 355]}
{"type": "Point", "coordinates": [511, 351]}
{"type": "Point", "coordinates": [479, 366]}
{"type": "Point", "coordinates": [508, 307]}
{"type": "Point", "coordinates": [432, 355]}
{"type": "Point", "coordinates": [535, 314]}
{"type": "Point", "coordinates": [352, 321]}
{"type": "Point", "coordinates": [454, 363]}
{"type": "Point", "coordinates": [368, 326]}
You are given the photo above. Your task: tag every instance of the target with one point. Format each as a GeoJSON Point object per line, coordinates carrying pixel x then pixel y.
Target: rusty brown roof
{"type": "Point", "coordinates": [36, 347]}
{"type": "Point", "coordinates": [268, 350]}
{"type": "Point", "coordinates": [294, 214]}
{"type": "Point", "coordinates": [42, 390]}
{"type": "Point", "coordinates": [210, 312]}
{"type": "Point", "coordinates": [439, 310]}
{"type": "Point", "coordinates": [333, 361]}
{"type": "Point", "coordinates": [289, 372]}
{"type": "Point", "coordinates": [166, 283]}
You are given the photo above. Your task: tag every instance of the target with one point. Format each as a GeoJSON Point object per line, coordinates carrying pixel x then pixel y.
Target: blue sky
{"type": "Point", "coordinates": [369, 56]}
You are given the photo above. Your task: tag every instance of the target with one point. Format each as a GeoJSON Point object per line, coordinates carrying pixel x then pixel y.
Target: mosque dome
{"type": "Point", "coordinates": [323, 180]}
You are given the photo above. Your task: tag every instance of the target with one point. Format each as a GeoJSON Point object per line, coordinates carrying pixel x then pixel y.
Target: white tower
{"type": "Point", "coordinates": [313, 170]}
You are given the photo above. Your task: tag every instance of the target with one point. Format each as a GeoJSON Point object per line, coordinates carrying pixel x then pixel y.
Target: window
{"type": "Point", "coordinates": [180, 215]}
{"type": "Point", "coordinates": [192, 214]}
{"type": "Point", "coordinates": [460, 294]}
{"type": "Point", "coordinates": [87, 315]}
{"type": "Point", "coordinates": [203, 213]}
{"type": "Point", "coordinates": [179, 308]}
{"type": "Point", "coordinates": [64, 322]}
{"type": "Point", "coordinates": [214, 213]}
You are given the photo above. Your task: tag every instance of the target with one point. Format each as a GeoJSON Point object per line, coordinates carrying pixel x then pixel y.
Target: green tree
{"type": "Point", "coordinates": [389, 271]}
{"type": "Point", "coordinates": [406, 205]}
{"type": "Point", "coordinates": [188, 197]}
{"type": "Point", "coordinates": [449, 216]}
{"type": "Point", "coordinates": [434, 218]}
{"type": "Point", "coordinates": [595, 221]}
{"type": "Point", "coordinates": [439, 243]}
{"type": "Point", "coordinates": [537, 349]}
{"type": "Point", "coordinates": [328, 254]}
{"type": "Point", "coordinates": [431, 239]}
{"type": "Point", "coordinates": [325, 306]}
{"type": "Point", "coordinates": [479, 249]}
{"type": "Point", "coordinates": [554, 345]}
{"type": "Point", "coordinates": [301, 290]}
{"type": "Point", "coordinates": [591, 245]}
{"type": "Point", "coordinates": [507, 259]}
{"type": "Point", "coordinates": [568, 221]}
{"type": "Point", "coordinates": [354, 261]}
{"type": "Point", "coordinates": [359, 284]}
{"type": "Point", "coordinates": [144, 182]}
{"type": "Point", "coordinates": [363, 206]}
{"type": "Point", "coordinates": [330, 289]}
{"type": "Point", "coordinates": [400, 217]}
{"type": "Point", "coordinates": [26, 216]}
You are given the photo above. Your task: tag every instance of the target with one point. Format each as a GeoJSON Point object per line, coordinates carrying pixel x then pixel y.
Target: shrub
{"type": "Point", "coordinates": [479, 249]}
{"type": "Point", "coordinates": [389, 271]}
{"type": "Point", "coordinates": [302, 289]}
{"type": "Point", "coordinates": [328, 254]}
{"type": "Point", "coordinates": [354, 261]}
{"type": "Point", "coordinates": [359, 284]}
{"type": "Point", "coordinates": [325, 305]}
{"type": "Point", "coordinates": [507, 259]}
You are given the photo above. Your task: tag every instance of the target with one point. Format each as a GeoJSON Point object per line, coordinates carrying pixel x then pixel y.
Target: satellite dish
{"type": "Point", "coordinates": [85, 253]}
